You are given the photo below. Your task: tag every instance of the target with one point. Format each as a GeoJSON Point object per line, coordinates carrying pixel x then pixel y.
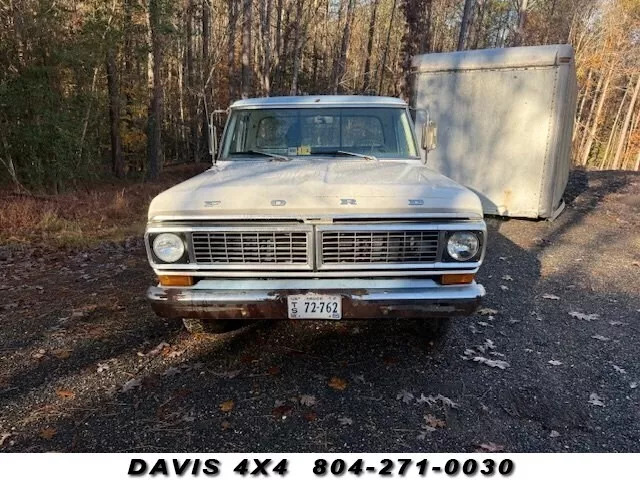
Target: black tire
{"type": "Point", "coordinates": [197, 325]}
{"type": "Point", "coordinates": [433, 328]}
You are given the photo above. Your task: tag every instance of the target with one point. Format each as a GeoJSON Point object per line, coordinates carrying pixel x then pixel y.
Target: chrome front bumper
{"type": "Point", "coordinates": [361, 298]}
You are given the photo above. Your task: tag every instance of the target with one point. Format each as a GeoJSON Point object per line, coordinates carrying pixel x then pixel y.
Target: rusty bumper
{"type": "Point", "coordinates": [361, 298]}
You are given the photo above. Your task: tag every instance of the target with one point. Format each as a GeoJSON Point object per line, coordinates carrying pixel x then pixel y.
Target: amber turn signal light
{"type": "Point", "coordinates": [456, 278]}
{"type": "Point", "coordinates": [175, 280]}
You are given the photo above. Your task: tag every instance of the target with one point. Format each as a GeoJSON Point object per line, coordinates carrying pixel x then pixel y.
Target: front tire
{"type": "Point", "coordinates": [433, 328]}
{"type": "Point", "coordinates": [197, 325]}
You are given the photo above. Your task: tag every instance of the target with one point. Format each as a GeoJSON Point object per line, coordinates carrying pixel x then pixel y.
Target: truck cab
{"type": "Point", "coordinates": [317, 207]}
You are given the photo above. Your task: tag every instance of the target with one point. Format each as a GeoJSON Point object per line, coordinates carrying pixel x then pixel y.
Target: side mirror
{"type": "Point", "coordinates": [213, 138]}
{"type": "Point", "coordinates": [429, 135]}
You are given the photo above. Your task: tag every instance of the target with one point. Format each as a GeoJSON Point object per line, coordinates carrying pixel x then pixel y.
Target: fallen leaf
{"type": "Point", "coordinates": [344, 421]}
{"type": "Point", "coordinates": [584, 316]}
{"type": "Point", "coordinates": [227, 406]}
{"type": "Point", "coordinates": [501, 364]}
{"type": "Point", "coordinates": [633, 385]}
{"type": "Point", "coordinates": [4, 437]}
{"type": "Point", "coordinates": [507, 277]}
{"type": "Point", "coordinates": [131, 384]}
{"type": "Point", "coordinates": [602, 338]}
{"type": "Point", "coordinates": [504, 288]}
{"type": "Point", "coordinates": [310, 416]}
{"type": "Point", "coordinates": [490, 447]}
{"type": "Point", "coordinates": [225, 425]}
{"type": "Point", "coordinates": [619, 369]}
{"type": "Point", "coordinates": [39, 354]}
{"type": "Point", "coordinates": [62, 353]}
{"type": "Point", "coordinates": [487, 311]}
{"type": "Point", "coordinates": [48, 433]}
{"type": "Point", "coordinates": [406, 397]}
{"type": "Point", "coordinates": [434, 422]}
{"type": "Point", "coordinates": [102, 367]}
{"type": "Point", "coordinates": [550, 296]}
{"type": "Point", "coordinates": [248, 358]}
{"type": "Point", "coordinates": [431, 400]}
{"type": "Point", "coordinates": [273, 371]}
{"type": "Point", "coordinates": [171, 371]}
{"type": "Point", "coordinates": [156, 351]}
{"type": "Point", "coordinates": [554, 434]}
{"type": "Point", "coordinates": [281, 411]}
{"type": "Point", "coordinates": [307, 400]}
{"type": "Point", "coordinates": [337, 383]}
{"type": "Point", "coordinates": [390, 360]}
{"type": "Point", "coordinates": [616, 323]}
{"type": "Point", "coordinates": [555, 363]}
{"type": "Point", "coordinates": [65, 394]}
{"type": "Point", "coordinates": [595, 399]}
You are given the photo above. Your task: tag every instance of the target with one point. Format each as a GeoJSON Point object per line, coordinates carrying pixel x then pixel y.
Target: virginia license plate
{"type": "Point", "coordinates": [315, 306]}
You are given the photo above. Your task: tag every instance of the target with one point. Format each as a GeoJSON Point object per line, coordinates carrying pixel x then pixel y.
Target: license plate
{"type": "Point", "coordinates": [315, 306]}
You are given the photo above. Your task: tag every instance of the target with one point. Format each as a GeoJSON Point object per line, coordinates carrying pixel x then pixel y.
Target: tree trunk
{"type": "Point", "coordinates": [585, 94]}
{"type": "Point", "coordinates": [231, 47]}
{"type": "Point", "coordinates": [466, 14]}
{"type": "Point", "coordinates": [614, 129]}
{"type": "Point", "coordinates": [596, 119]}
{"type": "Point", "coordinates": [297, 47]}
{"type": "Point", "coordinates": [154, 124]}
{"type": "Point", "coordinates": [366, 87]}
{"type": "Point", "coordinates": [117, 157]}
{"type": "Point", "coordinates": [191, 85]}
{"type": "Point", "coordinates": [383, 64]}
{"type": "Point", "coordinates": [416, 39]}
{"type": "Point", "coordinates": [522, 19]}
{"type": "Point", "coordinates": [265, 20]}
{"type": "Point", "coordinates": [206, 41]}
{"type": "Point", "coordinates": [344, 47]}
{"type": "Point", "coordinates": [592, 109]}
{"type": "Point", "coordinates": [625, 126]}
{"type": "Point", "coordinates": [247, 24]}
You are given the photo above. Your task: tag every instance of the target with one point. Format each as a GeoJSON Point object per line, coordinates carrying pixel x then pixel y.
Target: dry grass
{"type": "Point", "coordinates": [80, 219]}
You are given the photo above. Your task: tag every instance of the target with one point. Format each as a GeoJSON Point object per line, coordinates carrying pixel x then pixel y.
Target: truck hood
{"type": "Point", "coordinates": [315, 188]}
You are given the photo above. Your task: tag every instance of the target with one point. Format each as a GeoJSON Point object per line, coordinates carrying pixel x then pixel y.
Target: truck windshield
{"type": "Point", "coordinates": [282, 133]}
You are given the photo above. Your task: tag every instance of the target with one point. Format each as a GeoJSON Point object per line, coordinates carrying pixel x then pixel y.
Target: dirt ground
{"type": "Point", "coordinates": [86, 366]}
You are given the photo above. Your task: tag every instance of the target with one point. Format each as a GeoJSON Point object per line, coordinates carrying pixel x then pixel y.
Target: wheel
{"type": "Point", "coordinates": [433, 328]}
{"type": "Point", "coordinates": [197, 325]}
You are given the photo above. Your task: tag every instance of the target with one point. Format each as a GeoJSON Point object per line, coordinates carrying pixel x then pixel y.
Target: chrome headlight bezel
{"type": "Point", "coordinates": [470, 238]}
{"type": "Point", "coordinates": [179, 245]}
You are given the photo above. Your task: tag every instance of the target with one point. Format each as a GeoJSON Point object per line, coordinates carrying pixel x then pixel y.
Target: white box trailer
{"type": "Point", "coordinates": [505, 121]}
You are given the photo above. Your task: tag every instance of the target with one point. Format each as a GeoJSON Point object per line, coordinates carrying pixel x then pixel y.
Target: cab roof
{"type": "Point", "coordinates": [310, 101]}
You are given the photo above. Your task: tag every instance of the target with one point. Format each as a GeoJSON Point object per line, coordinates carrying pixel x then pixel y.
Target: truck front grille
{"type": "Point", "coordinates": [384, 247]}
{"type": "Point", "coordinates": [241, 248]}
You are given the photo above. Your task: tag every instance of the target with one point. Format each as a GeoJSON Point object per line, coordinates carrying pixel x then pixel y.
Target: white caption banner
{"type": "Point", "coordinates": [299, 466]}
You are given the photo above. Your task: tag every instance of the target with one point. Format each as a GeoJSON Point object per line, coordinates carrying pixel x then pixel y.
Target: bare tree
{"type": "Point", "coordinates": [383, 64]}
{"type": "Point", "coordinates": [366, 86]}
{"type": "Point", "coordinates": [617, 159]}
{"type": "Point", "coordinates": [464, 24]}
{"type": "Point", "coordinates": [340, 65]}
{"type": "Point", "coordinates": [154, 122]}
{"type": "Point", "coordinates": [113, 87]}
{"type": "Point", "coordinates": [232, 21]}
{"type": "Point", "coordinates": [416, 38]}
{"type": "Point", "coordinates": [247, 15]}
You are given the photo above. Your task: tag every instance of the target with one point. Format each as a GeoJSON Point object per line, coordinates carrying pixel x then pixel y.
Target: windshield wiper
{"type": "Point", "coordinates": [282, 158]}
{"type": "Point", "coordinates": [361, 155]}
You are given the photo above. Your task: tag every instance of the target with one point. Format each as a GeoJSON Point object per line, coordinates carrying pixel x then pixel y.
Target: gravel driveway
{"type": "Point", "coordinates": [549, 364]}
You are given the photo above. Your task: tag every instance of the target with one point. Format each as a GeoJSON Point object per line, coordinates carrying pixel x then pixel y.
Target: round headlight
{"type": "Point", "coordinates": [463, 246]}
{"type": "Point", "coordinates": [168, 247]}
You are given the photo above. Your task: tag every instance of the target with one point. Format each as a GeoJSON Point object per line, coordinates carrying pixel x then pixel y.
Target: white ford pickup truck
{"type": "Point", "coordinates": [317, 207]}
